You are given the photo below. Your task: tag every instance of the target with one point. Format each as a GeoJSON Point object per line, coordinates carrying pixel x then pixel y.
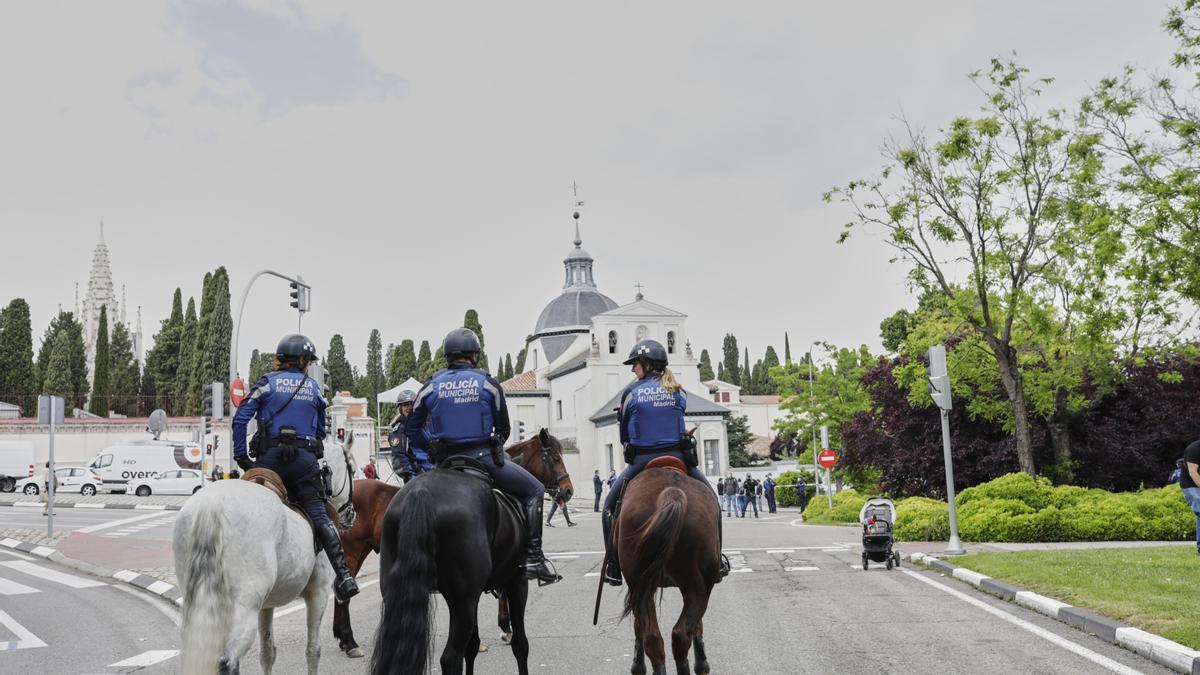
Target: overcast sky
{"type": "Point", "coordinates": [412, 160]}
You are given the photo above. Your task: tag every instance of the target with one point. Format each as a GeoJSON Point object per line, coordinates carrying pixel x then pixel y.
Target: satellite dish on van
{"type": "Point", "coordinates": [157, 423]}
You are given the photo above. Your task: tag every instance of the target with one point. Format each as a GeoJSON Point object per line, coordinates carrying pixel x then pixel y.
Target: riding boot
{"type": "Point", "coordinates": [725, 567]}
{"type": "Point", "coordinates": [535, 561]}
{"type": "Point", "coordinates": [344, 587]}
{"type": "Point", "coordinates": [612, 570]}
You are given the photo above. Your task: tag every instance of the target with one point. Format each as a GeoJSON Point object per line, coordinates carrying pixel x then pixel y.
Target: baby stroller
{"type": "Point", "coordinates": [878, 516]}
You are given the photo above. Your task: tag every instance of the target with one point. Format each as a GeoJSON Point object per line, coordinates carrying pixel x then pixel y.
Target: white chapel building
{"type": "Point", "coordinates": [575, 373]}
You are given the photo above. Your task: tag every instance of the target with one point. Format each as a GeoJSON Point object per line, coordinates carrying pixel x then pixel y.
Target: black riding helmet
{"type": "Point", "coordinates": [406, 396]}
{"type": "Point", "coordinates": [460, 343]}
{"type": "Point", "coordinates": [295, 346]}
{"type": "Point", "coordinates": [651, 351]}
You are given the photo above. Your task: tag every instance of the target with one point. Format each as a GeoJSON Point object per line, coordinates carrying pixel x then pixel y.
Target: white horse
{"type": "Point", "coordinates": [239, 554]}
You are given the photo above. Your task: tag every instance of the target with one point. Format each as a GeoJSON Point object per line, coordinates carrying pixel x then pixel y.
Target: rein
{"type": "Point", "coordinates": [547, 462]}
{"type": "Point", "coordinates": [346, 511]}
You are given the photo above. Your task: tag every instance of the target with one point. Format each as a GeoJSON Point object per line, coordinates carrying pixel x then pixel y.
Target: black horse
{"type": "Point", "coordinates": [447, 532]}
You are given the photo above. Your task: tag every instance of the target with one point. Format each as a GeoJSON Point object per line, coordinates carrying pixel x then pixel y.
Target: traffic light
{"type": "Point", "coordinates": [206, 409]}
{"type": "Point", "coordinates": [520, 430]}
{"type": "Point", "coordinates": [299, 296]}
{"type": "Point", "coordinates": [939, 378]}
{"type": "Point", "coordinates": [213, 405]}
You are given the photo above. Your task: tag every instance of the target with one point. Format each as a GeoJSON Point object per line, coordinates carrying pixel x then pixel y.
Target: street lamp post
{"type": "Point", "coordinates": [812, 412]}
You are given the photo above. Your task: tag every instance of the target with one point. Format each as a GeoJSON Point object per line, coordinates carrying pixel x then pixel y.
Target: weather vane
{"type": "Point", "coordinates": [575, 191]}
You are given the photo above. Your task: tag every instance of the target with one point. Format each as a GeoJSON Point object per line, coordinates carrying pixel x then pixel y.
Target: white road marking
{"type": "Point", "coordinates": [35, 570]}
{"type": "Point", "coordinates": [742, 570]}
{"type": "Point", "coordinates": [782, 550]}
{"type": "Point", "coordinates": [1096, 658]}
{"type": "Point", "coordinates": [15, 554]}
{"type": "Point", "coordinates": [146, 658]}
{"type": "Point", "coordinates": [9, 587]}
{"type": "Point", "coordinates": [801, 569]}
{"type": "Point", "coordinates": [592, 574]}
{"type": "Point", "coordinates": [118, 523]}
{"type": "Point", "coordinates": [89, 505]}
{"type": "Point", "coordinates": [559, 556]}
{"type": "Point", "coordinates": [25, 639]}
{"type": "Point", "coordinates": [300, 605]}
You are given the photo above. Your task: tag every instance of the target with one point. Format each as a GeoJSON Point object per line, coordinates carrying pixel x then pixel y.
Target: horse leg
{"type": "Point", "coordinates": [463, 622]}
{"type": "Point", "coordinates": [503, 619]}
{"type": "Point", "coordinates": [266, 640]}
{"type": "Point", "coordinates": [698, 647]}
{"type": "Point", "coordinates": [315, 600]}
{"type": "Point", "coordinates": [517, 593]}
{"type": "Point", "coordinates": [652, 640]}
{"type": "Point", "coordinates": [695, 602]}
{"type": "Point", "coordinates": [241, 636]}
{"type": "Point", "coordinates": [472, 650]}
{"type": "Point", "coordinates": [342, 630]}
{"type": "Point", "coordinates": [639, 650]}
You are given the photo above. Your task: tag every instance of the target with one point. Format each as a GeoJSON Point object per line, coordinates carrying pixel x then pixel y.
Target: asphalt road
{"type": "Point", "coordinates": [101, 522]}
{"type": "Point", "coordinates": [54, 620]}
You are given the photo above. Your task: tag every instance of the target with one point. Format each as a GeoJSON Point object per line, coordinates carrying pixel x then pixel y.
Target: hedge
{"type": "Point", "coordinates": [785, 489]}
{"type": "Point", "coordinates": [846, 505]}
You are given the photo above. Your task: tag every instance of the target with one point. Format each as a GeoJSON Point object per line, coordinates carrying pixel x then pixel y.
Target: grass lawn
{"type": "Point", "coordinates": [1151, 588]}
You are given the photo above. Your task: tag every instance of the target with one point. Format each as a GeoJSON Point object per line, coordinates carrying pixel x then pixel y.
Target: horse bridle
{"type": "Point", "coordinates": [346, 512]}
{"type": "Point", "coordinates": [564, 476]}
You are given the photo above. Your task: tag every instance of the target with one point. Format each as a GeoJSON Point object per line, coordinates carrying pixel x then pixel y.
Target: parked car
{"type": "Point", "coordinates": [174, 482]}
{"type": "Point", "coordinates": [17, 459]}
{"type": "Point", "coordinates": [70, 479]}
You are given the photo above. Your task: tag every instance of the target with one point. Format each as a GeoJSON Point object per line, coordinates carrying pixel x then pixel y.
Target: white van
{"type": "Point", "coordinates": [117, 465]}
{"type": "Point", "coordinates": [17, 460]}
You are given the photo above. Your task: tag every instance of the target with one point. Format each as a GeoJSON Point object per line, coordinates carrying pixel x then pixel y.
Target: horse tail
{"type": "Point", "coordinates": [206, 590]}
{"type": "Point", "coordinates": [655, 540]}
{"type": "Point", "coordinates": [404, 639]}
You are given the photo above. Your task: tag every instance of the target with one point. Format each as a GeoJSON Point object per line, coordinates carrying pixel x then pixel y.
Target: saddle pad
{"type": "Point", "coordinates": [268, 479]}
{"type": "Point", "coordinates": [508, 502]}
{"type": "Point", "coordinates": [667, 462]}
{"type": "Point", "coordinates": [468, 466]}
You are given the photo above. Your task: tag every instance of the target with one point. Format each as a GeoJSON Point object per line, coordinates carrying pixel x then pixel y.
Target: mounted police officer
{"type": "Point", "coordinates": [651, 424]}
{"type": "Point", "coordinates": [461, 411]}
{"type": "Point", "coordinates": [407, 460]}
{"type": "Point", "coordinates": [291, 426]}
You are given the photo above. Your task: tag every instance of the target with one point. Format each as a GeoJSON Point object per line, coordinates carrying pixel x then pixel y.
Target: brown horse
{"type": "Point", "coordinates": [667, 535]}
{"type": "Point", "coordinates": [540, 455]}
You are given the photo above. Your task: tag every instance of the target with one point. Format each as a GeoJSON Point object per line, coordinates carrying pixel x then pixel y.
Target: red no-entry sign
{"type": "Point", "coordinates": [237, 391]}
{"type": "Point", "coordinates": [827, 458]}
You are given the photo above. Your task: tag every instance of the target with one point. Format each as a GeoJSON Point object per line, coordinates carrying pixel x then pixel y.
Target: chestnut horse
{"type": "Point", "coordinates": [667, 535]}
{"type": "Point", "coordinates": [371, 499]}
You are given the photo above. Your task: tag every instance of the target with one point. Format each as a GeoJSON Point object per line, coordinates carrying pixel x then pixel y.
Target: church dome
{"type": "Point", "coordinates": [575, 307]}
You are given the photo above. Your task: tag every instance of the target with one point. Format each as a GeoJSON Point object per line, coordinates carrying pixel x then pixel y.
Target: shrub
{"type": "Point", "coordinates": [785, 488]}
{"type": "Point", "coordinates": [1036, 492]}
{"type": "Point", "coordinates": [922, 519]}
{"type": "Point", "coordinates": [846, 505]}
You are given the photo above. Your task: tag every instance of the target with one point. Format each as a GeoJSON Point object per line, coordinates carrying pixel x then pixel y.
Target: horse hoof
{"type": "Point", "coordinates": [506, 638]}
{"type": "Point", "coordinates": [355, 653]}
{"type": "Point", "coordinates": [482, 648]}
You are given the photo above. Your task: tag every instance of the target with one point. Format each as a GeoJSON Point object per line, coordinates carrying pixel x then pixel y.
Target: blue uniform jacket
{"type": "Point", "coordinates": [460, 406]}
{"type": "Point", "coordinates": [306, 412]}
{"type": "Point", "coordinates": [651, 417]}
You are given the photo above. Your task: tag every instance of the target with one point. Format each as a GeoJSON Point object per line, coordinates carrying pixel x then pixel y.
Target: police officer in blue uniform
{"type": "Point", "coordinates": [291, 423]}
{"type": "Point", "coordinates": [461, 411]}
{"type": "Point", "coordinates": [651, 424]}
{"type": "Point", "coordinates": [407, 460]}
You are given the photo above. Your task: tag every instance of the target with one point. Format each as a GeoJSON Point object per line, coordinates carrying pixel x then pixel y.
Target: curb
{"type": "Point", "coordinates": [141, 581]}
{"type": "Point", "coordinates": [1158, 649]}
{"type": "Point", "coordinates": [99, 505]}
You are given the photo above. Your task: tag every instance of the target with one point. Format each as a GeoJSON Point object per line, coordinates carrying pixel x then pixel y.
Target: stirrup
{"type": "Point", "coordinates": [346, 589]}
{"type": "Point", "coordinates": [725, 566]}
{"type": "Point", "coordinates": [541, 570]}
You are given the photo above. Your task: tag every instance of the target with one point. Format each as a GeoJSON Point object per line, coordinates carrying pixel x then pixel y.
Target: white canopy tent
{"type": "Point", "coordinates": [389, 397]}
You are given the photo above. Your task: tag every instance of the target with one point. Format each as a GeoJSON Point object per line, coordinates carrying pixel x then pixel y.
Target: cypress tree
{"type": "Point", "coordinates": [376, 380]}
{"type": "Point", "coordinates": [195, 359]}
{"type": "Point", "coordinates": [721, 372]}
{"type": "Point", "coordinates": [508, 367]}
{"type": "Point", "coordinates": [706, 371]}
{"type": "Point", "coordinates": [98, 403]}
{"type": "Point", "coordinates": [186, 404]}
{"type": "Point", "coordinates": [520, 367]}
{"type": "Point", "coordinates": [402, 363]}
{"type": "Point", "coordinates": [787, 350]}
{"type": "Point", "coordinates": [214, 359]}
{"type": "Point", "coordinates": [18, 378]}
{"type": "Point", "coordinates": [424, 359]}
{"type": "Point", "coordinates": [341, 375]}
{"type": "Point", "coordinates": [729, 348]}
{"type": "Point", "coordinates": [471, 320]}
{"type": "Point", "coordinates": [123, 373]}
{"type": "Point", "coordinates": [747, 381]}
{"type": "Point", "coordinates": [77, 355]}
{"type": "Point", "coordinates": [166, 355]}
{"type": "Point", "coordinates": [59, 379]}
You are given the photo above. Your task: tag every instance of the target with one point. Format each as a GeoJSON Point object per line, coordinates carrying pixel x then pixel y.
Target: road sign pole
{"type": "Point", "coordinates": [943, 398]}
{"type": "Point", "coordinates": [828, 470]}
{"type": "Point", "coordinates": [954, 546]}
{"type": "Point", "coordinates": [50, 477]}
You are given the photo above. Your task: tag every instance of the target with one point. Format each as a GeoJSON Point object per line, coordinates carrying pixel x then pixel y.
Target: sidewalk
{"type": "Point", "coordinates": [938, 548]}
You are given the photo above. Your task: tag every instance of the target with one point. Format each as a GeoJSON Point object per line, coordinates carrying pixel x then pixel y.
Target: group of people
{"type": "Point", "coordinates": [736, 495]}
{"type": "Point", "coordinates": [460, 411]}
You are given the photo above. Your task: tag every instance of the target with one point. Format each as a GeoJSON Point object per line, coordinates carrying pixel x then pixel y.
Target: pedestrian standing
{"type": "Point", "coordinates": [369, 470]}
{"type": "Point", "coordinates": [558, 501]}
{"type": "Point", "coordinates": [216, 472]}
{"type": "Point", "coordinates": [46, 489]}
{"type": "Point", "coordinates": [612, 475]}
{"type": "Point", "coordinates": [758, 494]}
{"type": "Point", "coordinates": [749, 489]}
{"type": "Point", "coordinates": [769, 493]}
{"type": "Point", "coordinates": [1189, 481]}
{"type": "Point", "coordinates": [730, 494]}
{"type": "Point", "coordinates": [721, 493]}
{"type": "Point", "coordinates": [801, 495]}
{"type": "Point", "coordinates": [598, 486]}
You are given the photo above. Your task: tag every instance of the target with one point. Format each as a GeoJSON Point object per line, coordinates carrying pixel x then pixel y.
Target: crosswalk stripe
{"type": "Point", "coordinates": [801, 569]}
{"type": "Point", "coordinates": [25, 639]}
{"type": "Point", "coordinates": [10, 587]}
{"type": "Point", "coordinates": [35, 570]}
{"type": "Point", "coordinates": [146, 658]}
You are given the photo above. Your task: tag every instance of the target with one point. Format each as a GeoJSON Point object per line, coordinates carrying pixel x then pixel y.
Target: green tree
{"type": "Point", "coordinates": [59, 379]}
{"type": "Point", "coordinates": [162, 364]}
{"type": "Point", "coordinates": [187, 403]}
{"type": "Point", "coordinates": [376, 380]}
{"type": "Point", "coordinates": [98, 404]}
{"type": "Point", "coordinates": [471, 320]}
{"type": "Point", "coordinates": [78, 360]}
{"type": "Point", "coordinates": [737, 428]}
{"type": "Point", "coordinates": [706, 371]}
{"type": "Point", "coordinates": [436, 362]}
{"type": "Point", "coordinates": [838, 393]}
{"type": "Point", "coordinates": [123, 372]}
{"type": "Point", "coordinates": [18, 381]}
{"type": "Point", "coordinates": [341, 376]}
{"type": "Point", "coordinates": [508, 367]}
{"type": "Point", "coordinates": [996, 193]}
{"type": "Point", "coordinates": [424, 360]}
{"type": "Point", "coordinates": [520, 367]}
{"type": "Point", "coordinates": [215, 366]}
{"type": "Point", "coordinates": [787, 349]}
{"type": "Point", "coordinates": [402, 363]}
{"type": "Point", "coordinates": [746, 379]}
{"type": "Point", "coordinates": [721, 372]}
{"type": "Point", "coordinates": [261, 364]}
{"type": "Point", "coordinates": [729, 348]}
{"type": "Point", "coordinates": [894, 330]}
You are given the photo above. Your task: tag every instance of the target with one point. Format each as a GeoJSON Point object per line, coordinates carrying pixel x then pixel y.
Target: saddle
{"type": "Point", "coordinates": [271, 481]}
{"type": "Point", "coordinates": [668, 462]}
{"type": "Point", "coordinates": [475, 469]}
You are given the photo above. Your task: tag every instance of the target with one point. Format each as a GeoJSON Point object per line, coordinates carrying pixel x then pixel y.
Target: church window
{"type": "Point", "coordinates": [671, 342]}
{"type": "Point", "coordinates": [558, 407]}
{"type": "Point", "coordinates": [612, 342]}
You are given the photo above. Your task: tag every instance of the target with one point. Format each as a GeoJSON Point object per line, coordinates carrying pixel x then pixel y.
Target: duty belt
{"type": "Point", "coordinates": [300, 444]}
